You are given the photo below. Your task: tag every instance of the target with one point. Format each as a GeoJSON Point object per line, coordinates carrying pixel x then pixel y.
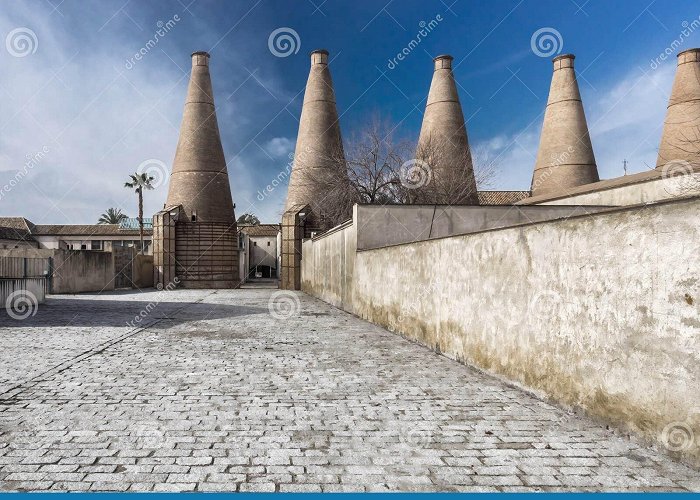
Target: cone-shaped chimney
{"type": "Point", "coordinates": [318, 156]}
{"type": "Point", "coordinates": [443, 143]}
{"type": "Point", "coordinates": [680, 141]}
{"type": "Point", "coordinates": [199, 180]}
{"type": "Point", "coordinates": [565, 157]}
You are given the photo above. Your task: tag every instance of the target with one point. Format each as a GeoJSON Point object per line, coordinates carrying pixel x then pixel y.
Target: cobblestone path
{"type": "Point", "coordinates": [210, 391]}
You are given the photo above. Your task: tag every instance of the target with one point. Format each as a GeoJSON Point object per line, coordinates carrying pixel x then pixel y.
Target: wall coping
{"type": "Point", "coordinates": [603, 185]}
{"type": "Point", "coordinates": [607, 211]}
{"type": "Point", "coordinates": [332, 230]}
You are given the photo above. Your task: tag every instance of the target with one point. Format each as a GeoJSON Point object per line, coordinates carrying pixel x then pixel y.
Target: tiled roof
{"type": "Point", "coordinates": [260, 229]}
{"type": "Point", "coordinates": [85, 230]}
{"type": "Point", "coordinates": [15, 228]}
{"type": "Point", "coordinates": [501, 197]}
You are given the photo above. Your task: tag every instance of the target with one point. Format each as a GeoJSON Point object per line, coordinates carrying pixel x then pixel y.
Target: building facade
{"type": "Point", "coordinates": [18, 232]}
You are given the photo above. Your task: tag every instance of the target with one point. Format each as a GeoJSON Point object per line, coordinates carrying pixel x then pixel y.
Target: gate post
{"type": "Point", "coordinates": [293, 226]}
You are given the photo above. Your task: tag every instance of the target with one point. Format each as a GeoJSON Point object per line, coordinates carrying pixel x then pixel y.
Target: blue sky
{"type": "Point", "coordinates": [74, 96]}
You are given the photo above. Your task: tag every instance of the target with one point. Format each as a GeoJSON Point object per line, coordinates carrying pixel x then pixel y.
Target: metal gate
{"type": "Point", "coordinates": [22, 278]}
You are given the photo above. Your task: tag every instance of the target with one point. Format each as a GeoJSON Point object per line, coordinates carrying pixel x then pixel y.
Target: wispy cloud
{"type": "Point", "coordinates": [100, 120]}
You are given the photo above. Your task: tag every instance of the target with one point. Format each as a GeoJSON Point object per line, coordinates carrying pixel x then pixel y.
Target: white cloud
{"type": "Point", "coordinates": [279, 147]}
{"type": "Point", "coordinates": [626, 122]}
{"type": "Point", "coordinates": [97, 120]}
{"type": "Point", "coordinates": [100, 120]}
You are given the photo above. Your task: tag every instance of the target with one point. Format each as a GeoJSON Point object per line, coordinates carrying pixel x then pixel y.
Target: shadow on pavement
{"type": "Point", "coordinates": [114, 312]}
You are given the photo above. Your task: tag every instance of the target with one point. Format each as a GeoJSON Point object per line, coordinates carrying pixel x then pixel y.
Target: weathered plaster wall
{"type": "Point", "coordinates": [600, 311]}
{"type": "Point", "coordinates": [76, 271]}
{"type": "Point", "coordinates": [142, 271]}
{"type": "Point", "coordinates": [382, 225]}
{"type": "Point", "coordinates": [327, 266]}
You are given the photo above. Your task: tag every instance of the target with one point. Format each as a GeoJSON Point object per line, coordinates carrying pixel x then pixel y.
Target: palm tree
{"type": "Point", "coordinates": [112, 216]}
{"type": "Point", "coordinates": [138, 183]}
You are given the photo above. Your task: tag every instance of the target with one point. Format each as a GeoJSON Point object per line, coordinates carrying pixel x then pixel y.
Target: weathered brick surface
{"type": "Point", "coordinates": [218, 394]}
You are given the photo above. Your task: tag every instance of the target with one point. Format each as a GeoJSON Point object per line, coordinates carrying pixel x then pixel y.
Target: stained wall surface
{"type": "Point", "coordinates": [598, 311]}
{"type": "Point", "coordinates": [383, 225]}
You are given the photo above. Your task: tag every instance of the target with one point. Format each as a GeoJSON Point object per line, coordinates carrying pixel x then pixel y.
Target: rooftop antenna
{"type": "Point", "coordinates": [624, 166]}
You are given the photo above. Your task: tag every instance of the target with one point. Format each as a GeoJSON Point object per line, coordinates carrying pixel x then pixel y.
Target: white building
{"type": "Point", "coordinates": [259, 251]}
{"type": "Point", "coordinates": [16, 232]}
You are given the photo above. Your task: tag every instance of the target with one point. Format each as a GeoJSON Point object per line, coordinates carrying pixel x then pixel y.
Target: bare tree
{"type": "Point", "coordinates": [374, 159]}
{"type": "Point", "coordinates": [448, 172]}
{"type": "Point", "coordinates": [375, 167]}
{"type": "Point", "coordinates": [682, 160]}
{"type": "Point", "coordinates": [371, 161]}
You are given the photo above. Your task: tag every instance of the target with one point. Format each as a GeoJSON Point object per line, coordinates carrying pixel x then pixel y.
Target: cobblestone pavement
{"type": "Point", "coordinates": [210, 391]}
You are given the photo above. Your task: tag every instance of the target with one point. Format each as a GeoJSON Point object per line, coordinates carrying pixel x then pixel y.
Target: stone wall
{"type": "Point", "coordinates": [645, 187]}
{"type": "Point", "coordinates": [383, 225]}
{"type": "Point", "coordinates": [76, 271]}
{"type": "Point", "coordinates": [600, 312]}
{"type": "Point", "coordinates": [73, 271]}
{"type": "Point", "coordinates": [327, 266]}
{"type": "Point", "coordinates": [19, 296]}
{"type": "Point", "coordinates": [142, 271]}
{"type": "Point", "coordinates": [24, 281]}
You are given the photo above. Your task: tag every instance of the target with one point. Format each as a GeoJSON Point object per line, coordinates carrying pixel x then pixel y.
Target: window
{"type": "Point", "coordinates": [95, 245]}
{"type": "Point", "coordinates": [83, 247]}
{"type": "Point", "coordinates": [194, 216]}
{"type": "Point", "coordinates": [255, 243]}
{"type": "Point", "coordinates": [268, 243]}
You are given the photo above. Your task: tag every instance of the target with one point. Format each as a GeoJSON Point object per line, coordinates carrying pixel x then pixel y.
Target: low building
{"type": "Point", "coordinates": [259, 251]}
{"type": "Point", "coordinates": [16, 232]}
